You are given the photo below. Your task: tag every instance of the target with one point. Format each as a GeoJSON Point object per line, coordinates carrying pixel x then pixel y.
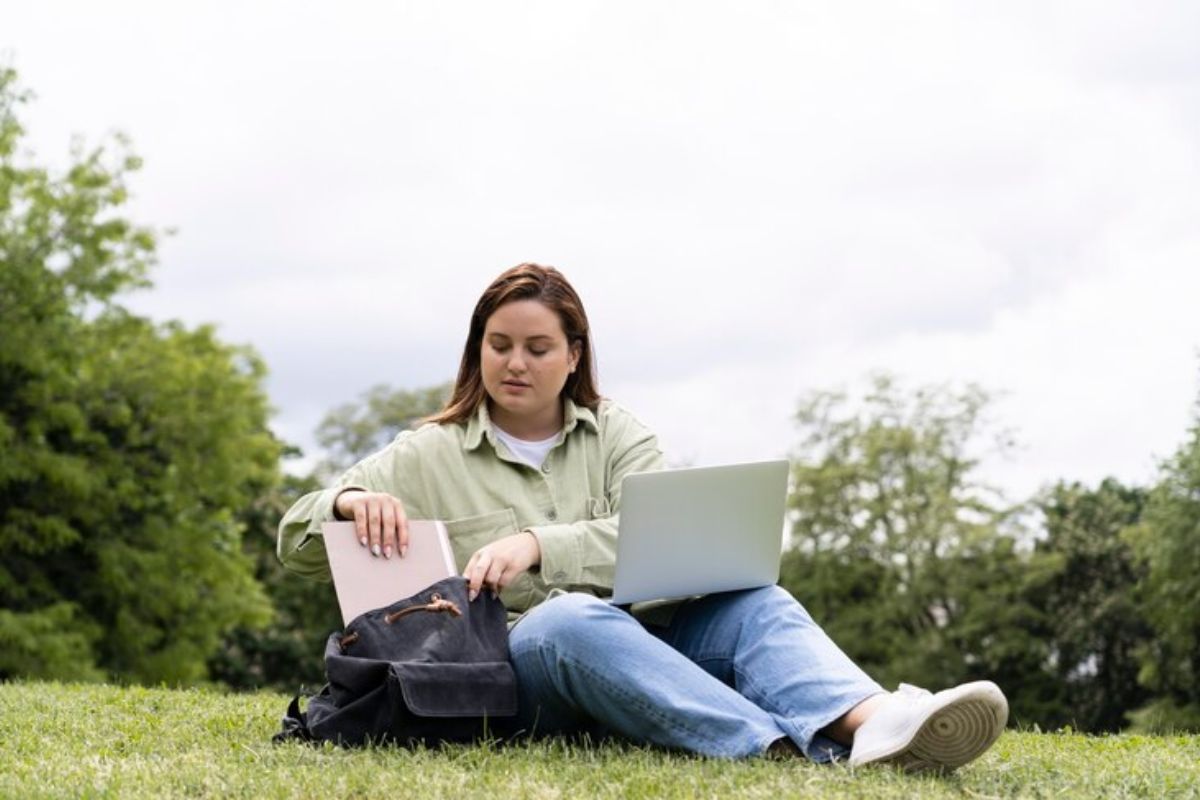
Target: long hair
{"type": "Point", "coordinates": [524, 282]}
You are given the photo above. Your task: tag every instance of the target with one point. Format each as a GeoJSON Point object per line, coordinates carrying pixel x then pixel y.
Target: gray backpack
{"type": "Point", "coordinates": [428, 669]}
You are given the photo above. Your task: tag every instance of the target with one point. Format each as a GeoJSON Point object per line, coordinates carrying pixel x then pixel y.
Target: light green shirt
{"type": "Point", "coordinates": [465, 476]}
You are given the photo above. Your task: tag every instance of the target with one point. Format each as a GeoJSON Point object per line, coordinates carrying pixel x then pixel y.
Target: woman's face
{"type": "Point", "coordinates": [525, 361]}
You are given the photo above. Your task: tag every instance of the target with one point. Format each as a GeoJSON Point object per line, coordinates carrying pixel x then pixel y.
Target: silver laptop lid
{"type": "Point", "coordinates": [701, 530]}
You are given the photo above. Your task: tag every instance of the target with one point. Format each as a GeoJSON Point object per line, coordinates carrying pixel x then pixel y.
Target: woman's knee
{"type": "Point", "coordinates": [564, 618]}
{"type": "Point", "coordinates": [786, 600]}
{"type": "Point", "coordinates": [769, 598]}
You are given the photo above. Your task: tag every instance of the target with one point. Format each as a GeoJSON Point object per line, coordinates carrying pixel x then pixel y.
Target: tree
{"type": "Point", "coordinates": [1097, 628]}
{"type": "Point", "coordinates": [910, 563]}
{"type": "Point", "coordinates": [355, 430]}
{"type": "Point", "coordinates": [1167, 543]}
{"type": "Point", "coordinates": [287, 653]}
{"type": "Point", "coordinates": [128, 446]}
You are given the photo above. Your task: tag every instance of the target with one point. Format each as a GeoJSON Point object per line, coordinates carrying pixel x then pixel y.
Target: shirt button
{"type": "Point", "coordinates": [552, 515]}
{"type": "Point", "coordinates": [546, 468]}
{"type": "Point", "coordinates": [560, 576]}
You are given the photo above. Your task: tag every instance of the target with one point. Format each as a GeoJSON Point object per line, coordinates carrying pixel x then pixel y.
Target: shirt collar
{"type": "Point", "coordinates": [480, 426]}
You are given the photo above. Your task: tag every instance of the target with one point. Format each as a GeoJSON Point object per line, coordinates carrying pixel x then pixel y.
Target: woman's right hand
{"type": "Point", "coordinates": [379, 520]}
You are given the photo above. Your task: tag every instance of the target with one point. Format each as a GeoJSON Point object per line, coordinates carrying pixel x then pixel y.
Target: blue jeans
{"type": "Point", "coordinates": [728, 676]}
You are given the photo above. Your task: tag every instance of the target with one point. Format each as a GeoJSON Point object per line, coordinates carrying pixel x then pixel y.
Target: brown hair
{"type": "Point", "coordinates": [524, 282]}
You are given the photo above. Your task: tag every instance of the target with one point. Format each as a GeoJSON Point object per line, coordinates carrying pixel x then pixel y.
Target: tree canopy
{"type": "Point", "coordinates": [1096, 627]}
{"type": "Point", "coordinates": [353, 431]}
{"type": "Point", "coordinates": [1167, 544]}
{"type": "Point", "coordinates": [129, 446]}
{"type": "Point", "coordinates": [910, 562]}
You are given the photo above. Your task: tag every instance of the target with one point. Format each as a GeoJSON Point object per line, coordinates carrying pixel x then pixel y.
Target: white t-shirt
{"type": "Point", "coordinates": [532, 453]}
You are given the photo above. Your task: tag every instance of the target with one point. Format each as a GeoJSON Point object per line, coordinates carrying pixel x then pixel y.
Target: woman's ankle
{"type": "Point", "coordinates": [842, 729]}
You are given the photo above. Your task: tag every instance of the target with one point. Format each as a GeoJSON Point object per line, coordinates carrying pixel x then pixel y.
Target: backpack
{"type": "Point", "coordinates": [427, 669]}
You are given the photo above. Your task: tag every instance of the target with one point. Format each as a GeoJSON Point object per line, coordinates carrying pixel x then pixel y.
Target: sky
{"type": "Point", "coordinates": [755, 200]}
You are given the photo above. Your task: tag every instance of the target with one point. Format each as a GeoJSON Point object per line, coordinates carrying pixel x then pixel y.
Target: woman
{"type": "Point", "coordinates": [525, 465]}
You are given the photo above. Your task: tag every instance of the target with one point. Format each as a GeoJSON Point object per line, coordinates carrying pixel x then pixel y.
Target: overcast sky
{"type": "Point", "coordinates": [754, 200]}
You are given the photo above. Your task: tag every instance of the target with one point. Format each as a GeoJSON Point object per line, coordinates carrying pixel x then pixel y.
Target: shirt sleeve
{"type": "Point", "coordinates": [583, 554]}
{"type": "Point", "coordinates": [301, 543]}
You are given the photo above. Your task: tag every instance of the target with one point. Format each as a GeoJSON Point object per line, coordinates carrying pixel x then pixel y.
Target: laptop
{"type": "Point", "coordinates": [700, 530]}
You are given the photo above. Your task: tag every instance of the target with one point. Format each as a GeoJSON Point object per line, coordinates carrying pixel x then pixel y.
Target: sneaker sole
{"type": "Point", "coordinates": [969, 721]}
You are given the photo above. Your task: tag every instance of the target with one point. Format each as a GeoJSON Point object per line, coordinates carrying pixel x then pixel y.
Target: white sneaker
{"type": "Point", "coordinates": [918, 730]}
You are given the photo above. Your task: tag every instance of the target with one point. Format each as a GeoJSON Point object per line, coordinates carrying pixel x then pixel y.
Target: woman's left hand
{"type": "Point", "coordinates": [498, 564]}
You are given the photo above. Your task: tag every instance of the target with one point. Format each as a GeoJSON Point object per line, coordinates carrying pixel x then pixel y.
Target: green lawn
{"type": "Point", "coordinates": [94, 741]}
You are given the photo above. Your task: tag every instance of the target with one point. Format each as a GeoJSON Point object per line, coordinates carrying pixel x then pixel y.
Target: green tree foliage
{"type": "Point", "coordinates": [128, 446]}
{"type": "Point", "coordinates": [1097, 627]}
{"type": "Point", "coordinates": [910, 563]}
{"type": "Point", "coordinates": [1167, 542]}
{"type": "Point", "coordinates": [287, 653]}
{"type": "Point", "coordinates": [353, 431]}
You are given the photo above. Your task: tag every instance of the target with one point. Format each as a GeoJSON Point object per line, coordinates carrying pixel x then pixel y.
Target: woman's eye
{"type": "Point", "coordinates": [539, 352]}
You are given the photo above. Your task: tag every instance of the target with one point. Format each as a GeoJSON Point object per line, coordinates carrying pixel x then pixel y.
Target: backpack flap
{"type": "Point", "coordinates": [482, 689]}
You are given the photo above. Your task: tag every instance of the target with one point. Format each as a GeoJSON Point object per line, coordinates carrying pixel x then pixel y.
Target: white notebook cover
{"type": "Point", "coordinates": [365, 582]}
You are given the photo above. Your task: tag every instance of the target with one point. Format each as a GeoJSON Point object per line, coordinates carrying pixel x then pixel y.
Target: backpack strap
{"type": "Point", "coordinates": [295, 725]}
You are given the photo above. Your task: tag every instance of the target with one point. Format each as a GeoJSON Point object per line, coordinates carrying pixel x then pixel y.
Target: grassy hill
{"type": "Point", "coordinates": [97, 741]}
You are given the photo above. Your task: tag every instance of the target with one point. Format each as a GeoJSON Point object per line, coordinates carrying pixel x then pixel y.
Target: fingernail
{"type": "Point", "coordinates": [363, 541]}
{"type": "Point", "coordinates": [375, 549]}
{"type": "Point", "coordinates": [404, 551]}
{"type": "Point", "coordinates": [471, 595]}
{"type": "Point", "coordinates": [387, 551]}
{"type": "Point", "coordinates": [495, 595]}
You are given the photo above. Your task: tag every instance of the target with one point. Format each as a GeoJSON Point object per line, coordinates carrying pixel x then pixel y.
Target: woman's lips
{"type": "Point", "coordinates": [514, 386]}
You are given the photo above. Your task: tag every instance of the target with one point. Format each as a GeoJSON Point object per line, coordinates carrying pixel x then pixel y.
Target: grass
{"type": "Point", "coordinates": [61, 740]}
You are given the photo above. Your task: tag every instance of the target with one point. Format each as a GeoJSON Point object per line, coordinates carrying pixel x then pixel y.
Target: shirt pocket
{"type": "Point", "coordinates": [468, 534]}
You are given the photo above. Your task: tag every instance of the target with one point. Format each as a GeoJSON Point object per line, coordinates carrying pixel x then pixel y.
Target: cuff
{"type": "Point", "coordinates": [301, 545]}
{"type": "Point", "coordinates": [333, 512]}
{"type": "Point", "coordinates": [562, 564]}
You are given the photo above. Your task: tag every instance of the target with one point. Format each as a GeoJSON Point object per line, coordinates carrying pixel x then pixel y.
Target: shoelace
{"type": "Point", "coordinates": [914, 691]}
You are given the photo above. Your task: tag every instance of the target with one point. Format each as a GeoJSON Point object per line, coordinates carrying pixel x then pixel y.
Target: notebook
{"type": "Point", "coordinates": [364, 582]}
{"type": "Point", "coordinates": [686, 532]}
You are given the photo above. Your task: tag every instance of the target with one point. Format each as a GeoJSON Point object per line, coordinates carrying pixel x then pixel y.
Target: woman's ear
{"type": "Point", "coordinates": [576, 352]}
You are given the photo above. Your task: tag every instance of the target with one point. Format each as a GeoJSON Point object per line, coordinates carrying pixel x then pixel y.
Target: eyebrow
{"type": "Point", "coordinates": [531, 338]}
